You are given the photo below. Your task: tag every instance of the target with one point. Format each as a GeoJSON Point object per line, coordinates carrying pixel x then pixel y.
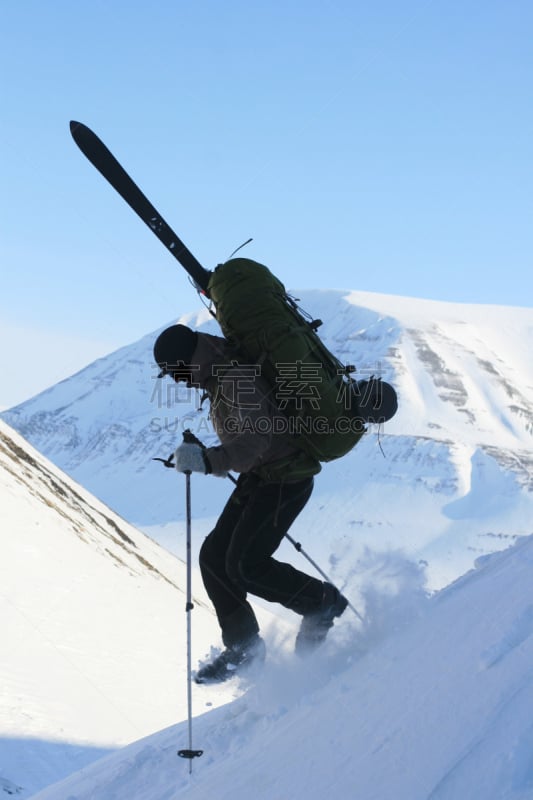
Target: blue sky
{"type": "Point", "coordinates": [379, 146]}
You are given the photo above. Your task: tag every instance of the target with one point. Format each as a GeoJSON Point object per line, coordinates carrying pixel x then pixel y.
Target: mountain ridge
{"type": "Point", "coordinates": [464, 378]}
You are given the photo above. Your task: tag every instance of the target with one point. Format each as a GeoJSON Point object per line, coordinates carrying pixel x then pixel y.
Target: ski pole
{"type": "Point", "coordinates": [189, 753]}
{"type": "Point", "coordinates": [297, 546]}
{"type": "Point", "coordinates": [189, 436]}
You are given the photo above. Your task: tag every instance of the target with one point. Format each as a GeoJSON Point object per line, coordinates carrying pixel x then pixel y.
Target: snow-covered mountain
{"type": "Point", "coordinates": [457, 478]}
{"type": "Point", "coordinates": [430, 702]}
{"type": "Point", "coordinates": [93, 633]}
{"type": "Point", "coordinates": [430, 698]}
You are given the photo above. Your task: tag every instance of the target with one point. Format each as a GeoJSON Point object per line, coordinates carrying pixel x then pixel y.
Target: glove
{"type": "Point", "coordinates": [191, 458]}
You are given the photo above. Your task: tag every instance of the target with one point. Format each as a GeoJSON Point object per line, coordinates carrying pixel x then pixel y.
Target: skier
{"type": "Point", "coordinates": [275, 483]}
{"type": "Point", "coordinates": [276, 477]}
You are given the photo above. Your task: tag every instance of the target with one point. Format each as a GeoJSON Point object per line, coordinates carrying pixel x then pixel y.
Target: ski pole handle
{"type": "Point", "coordinates": [190, 438]}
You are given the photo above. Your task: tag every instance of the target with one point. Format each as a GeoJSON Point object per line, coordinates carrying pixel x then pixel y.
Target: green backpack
{"type": "Point", "coordinates": [311, 387]}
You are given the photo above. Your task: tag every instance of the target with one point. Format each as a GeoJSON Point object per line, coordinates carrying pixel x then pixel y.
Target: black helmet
{"type": "Point", "coordinates": [377, 400]}
{"type": "Point", "coordinates": [173, 351]}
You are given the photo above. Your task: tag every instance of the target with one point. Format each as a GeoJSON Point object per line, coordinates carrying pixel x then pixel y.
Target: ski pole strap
{"type": "Point", "coordinates": [167, 462]}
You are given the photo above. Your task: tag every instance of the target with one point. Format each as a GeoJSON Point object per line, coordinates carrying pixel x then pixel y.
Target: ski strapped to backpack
{"type": "Point", "coordinates": [313, 390]}
{"type": "Point", "coordinates": [309, 384]}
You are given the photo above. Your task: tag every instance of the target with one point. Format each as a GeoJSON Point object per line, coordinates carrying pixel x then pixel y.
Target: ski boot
{"type": "Point", "coordinates": [315, 626]}
{"type": "Point", "coordinates": [232, 661]}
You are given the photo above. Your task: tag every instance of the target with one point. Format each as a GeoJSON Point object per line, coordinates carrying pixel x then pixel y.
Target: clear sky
{"type": "Point", "coordinates": [384, 146]}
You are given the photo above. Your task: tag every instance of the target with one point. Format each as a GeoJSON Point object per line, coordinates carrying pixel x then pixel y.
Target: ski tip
{"type": "Point", "coordinates": [74, 125]}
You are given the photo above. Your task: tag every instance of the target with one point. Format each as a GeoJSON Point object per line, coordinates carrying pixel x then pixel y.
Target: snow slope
{"type": "Point", "coordinates": [412, 701]}
{"type": "Point", "coordinates": [457, 479]}
{"type": "Point", "coordinates": [433, 702]}
{"type": "Point", "coordinates": [92, 625]}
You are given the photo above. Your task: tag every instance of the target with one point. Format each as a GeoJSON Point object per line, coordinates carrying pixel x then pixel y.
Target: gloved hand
{"type": "Point", "coordinates": [191, 457]}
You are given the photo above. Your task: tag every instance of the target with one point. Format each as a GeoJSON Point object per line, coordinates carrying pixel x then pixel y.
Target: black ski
{"type": "Point", "coordinates": [105, 162]}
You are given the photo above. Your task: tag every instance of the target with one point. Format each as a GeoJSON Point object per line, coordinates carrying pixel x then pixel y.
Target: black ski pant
{"type": "Point", "coordinates": [236, 557]}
